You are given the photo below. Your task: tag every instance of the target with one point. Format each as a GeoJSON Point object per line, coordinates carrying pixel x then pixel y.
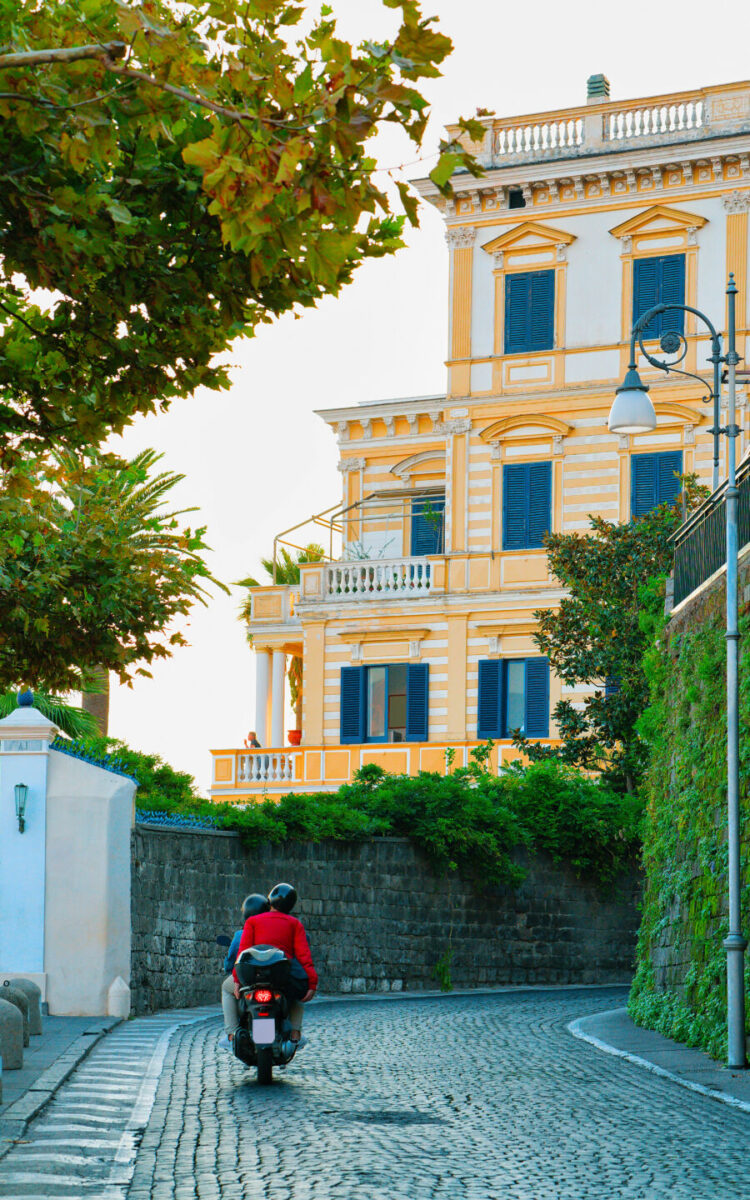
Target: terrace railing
{"type": "Point", "coordinates": [701, 543]}
{"type": "Point", "coordinates": [378, 578]}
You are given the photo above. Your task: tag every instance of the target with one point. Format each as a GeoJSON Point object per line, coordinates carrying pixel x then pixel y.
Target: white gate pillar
{"type": "Point", "coordinates": [25, 737]}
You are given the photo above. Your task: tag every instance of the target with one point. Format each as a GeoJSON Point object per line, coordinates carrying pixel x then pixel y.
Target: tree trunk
{"type": "Point", "coordinates": [97, 703]}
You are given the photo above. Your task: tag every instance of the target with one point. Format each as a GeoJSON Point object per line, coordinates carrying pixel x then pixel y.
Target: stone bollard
{"type": "Point", "coordinates": [11, 1036]}
{"type": "Point", "coordinates": [14, 995]}
{"type": "Point", "coordinates": [33, 994]}
{"type": "Point", "coordinates": [118, 999]}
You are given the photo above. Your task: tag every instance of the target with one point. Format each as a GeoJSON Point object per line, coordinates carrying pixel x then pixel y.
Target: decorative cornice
{"type": "Point", "coordinates": [500, 430]}
{"type": "Point", "coordinates": [736, 202]}
{"type": "Point", "coordinates": [543, 234]}
{"type": "Point", "coordinates": [461, 236]}
{"type": "Point", "coordinates": [658, 212]}
{"type": "Point", "coordinates": [351, 464]}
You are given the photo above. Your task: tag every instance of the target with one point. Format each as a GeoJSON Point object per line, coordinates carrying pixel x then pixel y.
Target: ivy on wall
{"type": "Point", "coordinates": [680, 983]}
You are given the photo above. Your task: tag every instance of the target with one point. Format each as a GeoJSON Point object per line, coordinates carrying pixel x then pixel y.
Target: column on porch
{"type": "Point", "coordinates": [262, 695]}
{"type": "Point", "coordinates": [278, 681]}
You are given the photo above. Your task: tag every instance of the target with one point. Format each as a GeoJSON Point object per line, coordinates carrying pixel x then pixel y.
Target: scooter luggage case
{"type": "Point", "coordinates": [260, 965]}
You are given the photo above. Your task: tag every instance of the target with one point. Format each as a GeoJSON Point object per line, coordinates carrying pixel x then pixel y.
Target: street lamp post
{"type": "Point", "coordinates": [633, 412]}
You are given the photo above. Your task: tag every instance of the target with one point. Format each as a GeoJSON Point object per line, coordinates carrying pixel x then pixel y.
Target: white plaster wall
{"type": "Point", "coordinates": [712, 260]}
{"type": "Point", "coordinates": [594, 278]}
{"type": "Point", "coordinates": [22, 864]}
{"type": "Point", "coordinates": [596, 364]}
{"type": "Point", "coordinates": [483, 296]}
{"type": "Point", "coordinates": [87, 919]}
{"type": "Point", "coordinates": [481, 377]}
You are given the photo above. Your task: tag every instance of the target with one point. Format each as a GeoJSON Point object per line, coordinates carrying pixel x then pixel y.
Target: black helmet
{"type": "Point", "coordinates": [283, 897]}
{"type": "Point", "coordinates": [254, 904]}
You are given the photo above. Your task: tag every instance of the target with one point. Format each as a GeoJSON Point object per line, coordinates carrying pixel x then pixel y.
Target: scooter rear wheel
{"type": "Point", "coordinates": [265, 1065]}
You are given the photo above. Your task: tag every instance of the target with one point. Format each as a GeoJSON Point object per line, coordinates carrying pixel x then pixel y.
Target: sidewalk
{"type": "Point", "coordinates": [47, 1062]}
{"type": "Point", "coordinates": [614, 1033]}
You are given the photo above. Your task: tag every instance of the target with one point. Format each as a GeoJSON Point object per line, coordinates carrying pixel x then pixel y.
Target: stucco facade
{"type": "Point", "coordinates": [578, 199]}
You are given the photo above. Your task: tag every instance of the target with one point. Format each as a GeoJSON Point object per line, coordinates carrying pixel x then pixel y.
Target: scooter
{"type": "Point", "coordinates": [263, 1037]}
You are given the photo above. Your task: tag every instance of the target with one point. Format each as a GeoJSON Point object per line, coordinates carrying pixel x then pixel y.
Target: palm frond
{"type": "Point", "coordinates": [72, 721]}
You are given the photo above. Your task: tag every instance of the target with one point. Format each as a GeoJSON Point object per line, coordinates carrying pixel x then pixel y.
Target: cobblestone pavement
{"type": "Point", "coordinates": [452, 1098]}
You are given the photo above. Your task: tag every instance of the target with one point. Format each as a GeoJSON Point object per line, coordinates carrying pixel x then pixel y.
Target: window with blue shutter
{"type": "Point", "coordinates": [417, 702]}
{"type": "Point", "coordinates": [489, 708]}
{"type": "Point", "coordinates": [352, 727]}
{"type": "Point", "coordinates": [513, 694]}
{"type": "Point", "coordinates": [527, 504]}
{"type": "Point", "coordinates": [529, 311]}
{"type": "Point", "coordinates": [654, 480]}
{"type": "Point", "coordinates": [388, 703]}
{"type": "Point", "coordinates": [428, 525]}
{"type": "Point", "coordinates": [659, 280]}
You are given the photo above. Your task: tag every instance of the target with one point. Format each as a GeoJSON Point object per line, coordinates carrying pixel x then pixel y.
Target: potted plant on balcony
{"type": "Point", "coordinates": [295, 736]}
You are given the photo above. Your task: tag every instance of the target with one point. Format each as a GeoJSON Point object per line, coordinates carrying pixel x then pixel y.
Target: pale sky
{"type": "Point", "coordinates": [257, 459]}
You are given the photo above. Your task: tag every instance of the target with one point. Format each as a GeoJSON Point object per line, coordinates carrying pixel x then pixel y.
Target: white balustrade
{"type": "Point", "coordinates": [546, 137]}
{"type": "Point", "coordinates": [378, 578]}
{"type": "Point", "coordinates": [651, 122]}
{"type": "Point", "coordinates": [265, 766]}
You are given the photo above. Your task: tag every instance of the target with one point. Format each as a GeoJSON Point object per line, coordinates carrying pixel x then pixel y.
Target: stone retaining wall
{"type": "Point", "coordinates": [379, 917]}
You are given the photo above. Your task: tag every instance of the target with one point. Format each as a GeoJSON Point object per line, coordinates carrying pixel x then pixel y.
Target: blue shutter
{"type": "Point", "coordinates": [672, 290]}
{"type": "Point", "coordinates": [427, 526]}
{"type": "Point", "coordinates": [540, 502]}
{"type": "Point", "coordinates": [643, 484]}
{"type": "Point", "coordinates": [489, 717]}
{"type": "Point", "coordinates": [667, 483]}
{"type": "Point", "coordinates": [537, 698]}
{"type": "Point", "coordinates": [417, 698]}
{"type": "Point", "coordinates": [659, 280]}
{"type": "Point", "coordinates": [515, 506]}
{"type": "Point", "coordinates": [646, 273]}
{"type": "Point", "coordinates": [516, 313]}
{"type": "Point", "coordinates": [611, 685]}
{"type": "Point", "coordinates": [352, 705]}
{"type": "Point", "coordinates": [541, 310]}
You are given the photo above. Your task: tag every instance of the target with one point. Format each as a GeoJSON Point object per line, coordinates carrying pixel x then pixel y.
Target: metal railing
{"type": "Point", "coordinates": [700, 545]}
{"type": "Point", "coordinates": [377, 578]}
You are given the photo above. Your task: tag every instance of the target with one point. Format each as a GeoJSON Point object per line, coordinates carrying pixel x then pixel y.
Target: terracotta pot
{"type": "Point", "coordinates": [295, 736]}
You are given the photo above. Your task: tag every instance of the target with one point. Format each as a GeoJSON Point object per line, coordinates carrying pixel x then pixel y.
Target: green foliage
{"type": "Point", "coordinates": [469, 821]}
{"type": "Point", "coordinates": [685, 831]}
{"type": "Point", "coordinates": [73, 722]}
{"type": "Point", "coordinates": [195, 170]}
{"type": "Point", "coordinates": [442, 970]}
{"type": "Point", "coordinates": [613, 577]}
{"type": "Point", "coordinates": [160, 787]}
{"type": "Point", "coordinates": [92, 570]}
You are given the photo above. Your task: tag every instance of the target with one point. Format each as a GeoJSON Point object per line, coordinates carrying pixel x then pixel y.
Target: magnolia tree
{"type": "Point", "coordinates": [175, 174]}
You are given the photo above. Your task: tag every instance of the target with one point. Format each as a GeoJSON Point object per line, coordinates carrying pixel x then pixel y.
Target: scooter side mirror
{"type": "Point", "coordinates": [223, 940]}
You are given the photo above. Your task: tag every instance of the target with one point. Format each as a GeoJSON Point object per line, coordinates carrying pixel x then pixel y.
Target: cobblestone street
{"type": "Point", "coordinates": [455, 1098]}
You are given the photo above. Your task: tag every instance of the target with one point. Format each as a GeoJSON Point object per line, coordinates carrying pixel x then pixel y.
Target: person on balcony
{"type": "Point", "coordinates": [251, 741]}
{"type": "Point", "coordinates": [279, 928]}
{"type": "Point", "coordinates": [251, 906]}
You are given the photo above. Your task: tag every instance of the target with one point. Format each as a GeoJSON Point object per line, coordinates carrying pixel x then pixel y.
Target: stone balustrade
{"type": "Point", "coordinates": [262, 767]}
{"type": "Point", "coordinates": [377, 578]}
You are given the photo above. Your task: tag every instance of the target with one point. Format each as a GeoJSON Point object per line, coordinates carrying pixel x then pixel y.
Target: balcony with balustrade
{"type": "Point", "coordinates": [603, 126]}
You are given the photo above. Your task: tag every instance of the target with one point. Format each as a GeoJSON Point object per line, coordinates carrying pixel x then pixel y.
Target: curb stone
{"type": "Point", "coordinates": [19, 1114]}
{"type": "Point", "coordinates": [578, 1029]}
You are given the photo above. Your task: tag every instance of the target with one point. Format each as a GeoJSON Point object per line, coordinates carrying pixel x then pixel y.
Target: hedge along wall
{"type": "Point", "coordinates": [379, 917]}
{"type": "Point", "coordinates": [680, 984]}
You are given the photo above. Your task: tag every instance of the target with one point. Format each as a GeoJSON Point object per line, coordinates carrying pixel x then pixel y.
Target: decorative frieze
{"type": "Point", "coordinates": [348, 465]}
{"type": "Point", "coordinates": [737, 202]}
{"type": "Point", "coordinates": [454, 426]}
{"type": "Point", "coordinates": [459, 236]}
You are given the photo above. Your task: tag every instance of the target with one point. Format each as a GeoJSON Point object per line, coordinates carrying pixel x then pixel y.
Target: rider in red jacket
{"type": "Point", "coordinates": [279, 928]}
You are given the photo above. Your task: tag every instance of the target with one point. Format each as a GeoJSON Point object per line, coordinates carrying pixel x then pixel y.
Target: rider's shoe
{"type": "Point", "coordinates": [225, 1043]}
{"type": "Point", "coordinates": [302, 1041]}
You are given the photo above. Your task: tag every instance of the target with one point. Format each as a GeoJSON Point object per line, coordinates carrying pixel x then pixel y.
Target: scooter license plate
{"type": "Point", "coordinates": [264, 1031]}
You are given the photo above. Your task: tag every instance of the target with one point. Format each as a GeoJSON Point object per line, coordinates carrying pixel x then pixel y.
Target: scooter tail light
{"type": "Point", "coordinates": [263, 996]}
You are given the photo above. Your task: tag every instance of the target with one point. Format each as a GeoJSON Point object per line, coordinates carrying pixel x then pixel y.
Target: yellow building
{"type": "Point", "coordinates": [416, 634]}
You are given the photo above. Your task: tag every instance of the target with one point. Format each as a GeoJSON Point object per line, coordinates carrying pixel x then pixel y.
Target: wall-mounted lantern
{"type": "Point", "coordinates": [22, 793]}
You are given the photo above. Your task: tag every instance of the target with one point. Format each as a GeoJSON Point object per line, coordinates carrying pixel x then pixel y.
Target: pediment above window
{"type": "Point", "coordinates": [525, 427]}
{"type": "Point", "coordinates": [428, 462]}
{"type": "Point", "coordinates": [529, 235]}
{"type": "Point", "coordinates": [659, 221]}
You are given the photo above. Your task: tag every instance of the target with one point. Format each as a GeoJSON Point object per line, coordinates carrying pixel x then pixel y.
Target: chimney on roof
{"type": "Point", "coordinates": [597, 89]}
